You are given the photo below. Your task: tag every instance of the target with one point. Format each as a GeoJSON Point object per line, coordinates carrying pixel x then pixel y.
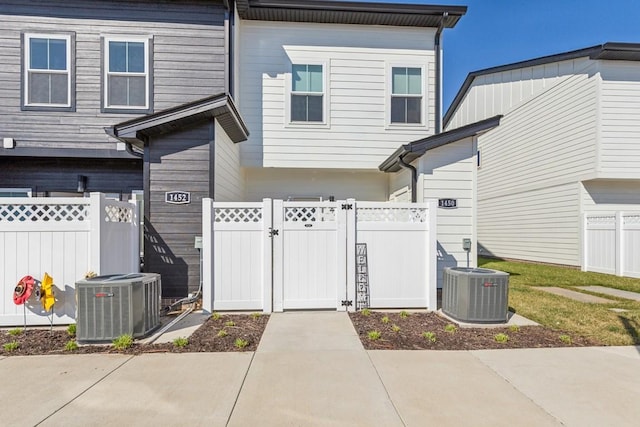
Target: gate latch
{"type": "Point", "coordinates": [272, 232]}
{"type": "Point", "coordinates": [347, 303]}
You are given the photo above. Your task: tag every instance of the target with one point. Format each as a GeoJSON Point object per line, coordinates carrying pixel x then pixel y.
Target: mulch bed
{"type": "Point", "coordinates": [248, 328]}
{"type": "Point", "coordinates": [411, 329]}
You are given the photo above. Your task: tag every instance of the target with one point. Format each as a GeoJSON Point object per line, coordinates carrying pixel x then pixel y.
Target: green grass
{"type": "Point", "coordinates": [11, 346]}
{"type": "Point", "coordinates": [180, 342]}
{"type": "Point", "coordinates": [374, 335]}
{"type": "Point", "coordinates": [123, 342]}
{"type": "Point", "coordinates": [594, 321]}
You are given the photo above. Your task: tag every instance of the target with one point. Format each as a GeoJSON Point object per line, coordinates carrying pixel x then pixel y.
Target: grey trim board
{"type": "Point", "coordinates": [65, 152]}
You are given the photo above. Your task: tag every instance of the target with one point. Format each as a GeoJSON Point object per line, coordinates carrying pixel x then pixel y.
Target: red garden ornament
{"type": "Point", "coordinates": [23, 290]}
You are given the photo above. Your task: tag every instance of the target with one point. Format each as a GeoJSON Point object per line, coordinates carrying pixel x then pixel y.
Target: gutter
{"type": "Point", "coordinates": [438, 49]}
{"type": "Point", "coordinates": [127, 145]}
{"type": "Point", "coordinates": [414, 177]}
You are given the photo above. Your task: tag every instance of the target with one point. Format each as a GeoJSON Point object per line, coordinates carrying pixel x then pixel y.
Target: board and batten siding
{"type": "Point", "coordinates": [501, 92]}
{"type": "Point", "coordinates": [178, 161]}
{"type": "Point", "coordinates": [188, 62]}
{"type": "Point", "coordinates": [229, 177]}
{"type": "Point", "coordinates": [283, 183]}
{"type": "Point", "coordinates": [619, 155]}
{"type": "Point", "coordinates": [528, 195]}
{"type": "Point", "coordinates": [448, 172]}
{"type": "Point", "coordinates": [357, 59]}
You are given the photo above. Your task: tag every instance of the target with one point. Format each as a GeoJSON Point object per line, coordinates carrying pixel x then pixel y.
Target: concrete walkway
{"type": "Point", "coordinates": [611, 291]}
{"type": "Point", "coordinates": [310, 369]}
{"type": "Point", "coordinates": [574, 295]}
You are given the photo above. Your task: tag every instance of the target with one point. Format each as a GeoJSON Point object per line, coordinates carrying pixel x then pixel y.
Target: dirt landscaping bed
{"type": "Point", "coordinates": [430, 331]}
{"type": "Point", "coordinates": [242, 332]}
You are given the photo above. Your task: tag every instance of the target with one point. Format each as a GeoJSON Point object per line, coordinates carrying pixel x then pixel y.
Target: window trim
{"type": "Point", "coordinates": [27, 190]}
{"type": "Point", "coordinates": [424, 122]}
{"type": "Point", "coordinates": [104, 73]}
{"type": "Point", "coordinates": [70, 38]}
{"type": "Point", "coordinates": [325, 123]}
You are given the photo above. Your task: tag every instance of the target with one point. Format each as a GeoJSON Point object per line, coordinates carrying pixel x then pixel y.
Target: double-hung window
{"type": "Point", "coordinates": [406, 95]}
{"type": "Point", "coordinates": [307, 93]}
{"type": "Point", "coordinates": [127, 76]}
{"type": "Point", "coordinates": [47, 70]}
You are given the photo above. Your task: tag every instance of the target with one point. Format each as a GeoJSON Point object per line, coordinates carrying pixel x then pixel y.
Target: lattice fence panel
{"type": "Point", "coordinates": [310, 214]}
{"type": "Point", "coordinates": [407, 215]}
{"type": "Point", "coordinates": [118, 214]}
{"type": "Point", "coordinates": [238, 215]}
{"type": "Point", "coordinates": [44, 212]}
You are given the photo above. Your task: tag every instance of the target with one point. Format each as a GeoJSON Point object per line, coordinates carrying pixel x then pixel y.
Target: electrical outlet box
{"type": "Point", "coordinates": [466, 245]}
{"type": "Point", "coordinates": [198, 242]}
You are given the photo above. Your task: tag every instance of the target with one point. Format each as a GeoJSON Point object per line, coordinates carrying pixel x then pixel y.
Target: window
{"type": "Point", "coordinates": [15, 192]}
{"type": "Point", "coordinates": [127, 77]}
{"type": "Point", "coordinates": [47, 70]}
{"type": "Point", "coordinates": [406, 95]}
{"type": "Point", "coordinates": [307, 93]}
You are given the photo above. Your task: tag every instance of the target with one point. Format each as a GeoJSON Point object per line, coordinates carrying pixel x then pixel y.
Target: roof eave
{"type": "Point", "coordinates": [611, 50]}
{"type": "Point", "coordinates": [416, 149]}
{"type": "Point", "coordinates": [137, 131]}
{"type": "Point", "coordinates": [327, 11]}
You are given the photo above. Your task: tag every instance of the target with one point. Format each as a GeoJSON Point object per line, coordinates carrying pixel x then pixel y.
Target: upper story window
{"type": "Point", "coordinates": [406, 95]}
{"type": "Point", "coordinates": [307, 93]}
{"type": "Point", "coordinates": [47, 80]}
{"type": "Point", "coordinates": [127, 74]}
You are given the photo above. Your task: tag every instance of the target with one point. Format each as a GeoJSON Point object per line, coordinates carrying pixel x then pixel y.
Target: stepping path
{"type": "Point", "coordinates": [577, 296]}
{"type": "Point", "coordinates": [613, 292]}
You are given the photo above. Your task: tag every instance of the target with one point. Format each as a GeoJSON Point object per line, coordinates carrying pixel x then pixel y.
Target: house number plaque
{"type": "Point", "coordinates": [448, 203]}
{"type": "Point", "coordinates": [177, 197]}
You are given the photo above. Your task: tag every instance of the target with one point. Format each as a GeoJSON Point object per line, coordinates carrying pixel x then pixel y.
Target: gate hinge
{"type": "Point", "coordinates": [272, 232]}
{"type": "Point", "coordinates": [347, 303]}
{"type": "Point", "coordinates": [347, 206]}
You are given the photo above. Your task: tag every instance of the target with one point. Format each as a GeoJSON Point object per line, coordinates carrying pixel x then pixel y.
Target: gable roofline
{"type": "Point", "coordinates": [220, 107]}
{"type": "Point", "coordinates": [350, 12]}
{"type": "Point", "coordinates": [409, 152]}
{"type": "Point", "coordinates": [609, 51]}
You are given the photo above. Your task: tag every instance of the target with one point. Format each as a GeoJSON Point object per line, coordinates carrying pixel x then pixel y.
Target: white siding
{"type": "Point", "coordinates": [229, 179]}
{"type": "Point", "coordinates": [550, 140]}
{"type": "Point", "coordinates": [357, 59]}
{"type": "Point", "coordinates": [609, 196]}
{"type": "Point", "coordinates": [537, 225]}
{"type": "Point", "coordinates": [620, 120]}
{"type": "Point", "coordinates": [499, 93]}
{"type": "Point", "coordinates": [302, 183]}
{"type": "Point", "coordinates": [449, 172]}
{"type": "Point", "coordinates": [400, 186]}
{"type": "Point", "coordinates": [528, 202]}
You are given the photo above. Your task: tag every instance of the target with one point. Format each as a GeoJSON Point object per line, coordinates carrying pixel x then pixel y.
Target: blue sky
{"type": "Point", "coordinates": [498, 32]}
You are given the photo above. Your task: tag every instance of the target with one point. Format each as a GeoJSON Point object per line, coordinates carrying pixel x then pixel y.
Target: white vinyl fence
{"type": "Point", "coordinates": [611, 243]}
{"type": "Point", "coordinates": [276, 255]}
{"type": "Point", "coordinates": [66, 238]}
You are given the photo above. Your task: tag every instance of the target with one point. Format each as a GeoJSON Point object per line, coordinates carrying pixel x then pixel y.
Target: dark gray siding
{"type": "Point", "coordinates": [176, 161]}
{"type": "Point", "coordinates": [61, 174]}
{"type": "Point", "coordinates": [187, 57]}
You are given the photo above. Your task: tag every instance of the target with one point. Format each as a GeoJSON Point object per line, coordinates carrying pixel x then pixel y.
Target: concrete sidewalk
{"type": "Point", "coordinates": [310, 369]}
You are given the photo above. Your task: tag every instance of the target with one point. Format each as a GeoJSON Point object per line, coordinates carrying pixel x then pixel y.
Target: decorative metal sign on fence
{"type": "Point", "coordinates": [362, 277]}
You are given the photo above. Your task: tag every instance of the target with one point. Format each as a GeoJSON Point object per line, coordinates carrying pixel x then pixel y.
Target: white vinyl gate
{"type": "Point", "coordinates": [276, 255]}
